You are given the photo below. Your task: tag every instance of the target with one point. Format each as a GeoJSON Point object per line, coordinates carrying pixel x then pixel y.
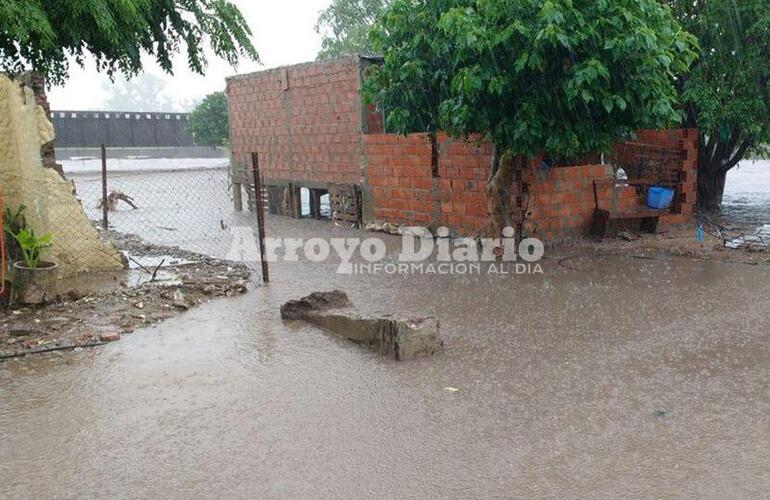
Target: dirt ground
{"type": "Point", "coordinates": [107, 305]}
{"type": "Point", "coordinates": [678, 240]}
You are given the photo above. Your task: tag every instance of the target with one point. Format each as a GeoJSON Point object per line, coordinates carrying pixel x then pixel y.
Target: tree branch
{"type": "Point", "coordinates": [711, 147]}
{"type": "Point", "coordinates": [737, 156]}
{"type": "Point", "coordinates": [495, 165]}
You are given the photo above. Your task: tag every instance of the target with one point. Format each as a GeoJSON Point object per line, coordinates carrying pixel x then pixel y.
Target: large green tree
{"type": "Point", "coordinates": [344, 25]}
{"type": "Point", "coordinates": [413, 50]}
{"type": "Point", "coordinates": [559, 77]}
{"type": "Point", "coordinates": [44, 35]}
{"type": "Point", "coordinates": [727, 93]}
{"type": "Point", "coordinates": [209, 123]}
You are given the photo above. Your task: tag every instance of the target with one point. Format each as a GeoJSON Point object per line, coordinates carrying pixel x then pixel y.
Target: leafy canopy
{"type": "Point", "coordinates": [344, 26]}
{"type": "Point", "coordinates": [563, 77]}
{"type": "Point", "coordinates": [209, 122]}
{"type": "Point", "coordinates": [418, 64]}
{"type": "Point", "coordinates": [727, 93]}
{"type": "Point", "coordinates": [44, 34]}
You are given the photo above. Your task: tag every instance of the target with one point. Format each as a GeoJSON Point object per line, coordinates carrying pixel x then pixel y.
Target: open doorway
{"type": "Point", "coordinates": [314, 203]}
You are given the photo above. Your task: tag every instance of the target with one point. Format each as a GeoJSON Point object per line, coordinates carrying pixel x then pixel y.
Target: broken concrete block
{"type": "Point", "coordinates": [394, 336]}
{"type": "Point", "coordinates": [109, 337]}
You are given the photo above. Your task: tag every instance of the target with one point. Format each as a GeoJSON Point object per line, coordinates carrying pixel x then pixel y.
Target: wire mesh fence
{"type": "Point", "coordinates": [41, 201]}
{"type": "Point", "coordinates": [185, 203]}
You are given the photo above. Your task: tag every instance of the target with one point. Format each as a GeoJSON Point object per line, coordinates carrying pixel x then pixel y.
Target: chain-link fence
{"type": "Point", "coordinates": [38, 202]}
{"type": "Point", "coordinates": [185, 203]}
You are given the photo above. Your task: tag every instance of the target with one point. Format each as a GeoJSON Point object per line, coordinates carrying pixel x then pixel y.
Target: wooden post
{"type": "Point", "coordinates": [237, 197]}
{"type": "Point", "coordinates": [315, 203]}
{"type": "Point", "coordinates": [105, 221]}
{"type": "Point", "coordinates": [259, 206]}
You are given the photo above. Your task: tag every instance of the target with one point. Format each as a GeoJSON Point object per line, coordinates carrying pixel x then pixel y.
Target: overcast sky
{"type": "Point", "coordinates": [283, 34]}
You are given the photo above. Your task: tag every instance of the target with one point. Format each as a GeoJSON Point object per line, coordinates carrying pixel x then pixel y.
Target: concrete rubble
{"type": "Point", "coordinates": [385, 227]}
{"type": "Point", "coordinates": [393, 336]}
{"type": "Point", "coordinates": [95, 309]}
{"type": "Point", "coordinates": [759, 241]}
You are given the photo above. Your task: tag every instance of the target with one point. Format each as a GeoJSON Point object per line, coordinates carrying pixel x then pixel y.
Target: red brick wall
{"type": "Point", "coordinates": [559, 203]}
{"type": "Point", "coordinates": [305, 121]}
{"type": "Point", "coordinates": [685, 140]}
{"type": "Point", "coordinates": [309, 127]}
{"type": "Point", "coordinates": [373, 120]}
{"type": "Point", "coordinates": [561, 200]}
{"type": "Point", "coordinates": [398, 177]}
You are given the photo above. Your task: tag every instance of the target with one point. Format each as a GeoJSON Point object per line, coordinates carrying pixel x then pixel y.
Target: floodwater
{"type": "Point", "coordinates": [600, 378]}
{"type": "Point", "coordinates": [188, 202]}
{"type": "Point", "coordinates": [185, 203]}
{"type": "Point", "coordinates": [747, 194]}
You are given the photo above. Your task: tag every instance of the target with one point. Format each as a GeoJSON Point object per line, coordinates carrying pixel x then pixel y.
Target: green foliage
{"type": "Point", "coordinates": [209, 122]}
{"type": "Point", "coordinates": [43, 34]}
{"type": "Point", "coordinates": [13, 223]}
{"type": "Point", "coordinates": [22, 244]}
{"type": "Point", "coordinates": [32, 246]}
{"type": "Point", "coordinates": [562, 77]}
{"type": "Point", "coordinates": [419, 63]}
{"type": "Point", "coordinates": [344, 26]}
{"type": "Point", "coordinates": [727, 93]}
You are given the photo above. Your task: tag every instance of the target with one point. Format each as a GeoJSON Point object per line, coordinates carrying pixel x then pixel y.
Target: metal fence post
{"type": "Point", "coordinates": [105, 221]}
{"type": "Point", "coordinates": [259, 206]}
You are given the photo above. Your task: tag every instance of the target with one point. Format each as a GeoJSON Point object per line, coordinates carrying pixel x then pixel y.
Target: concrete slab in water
{"type": "Point", "coordinates": [394, 336]}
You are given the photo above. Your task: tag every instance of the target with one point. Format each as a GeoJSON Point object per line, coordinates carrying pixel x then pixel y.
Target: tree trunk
{"type": "Point", "coordinates": [711, 187]}
{"type": "Point", "coordinates": [715, 158]}
{"type": "Point", "coordinates": [498, 190]}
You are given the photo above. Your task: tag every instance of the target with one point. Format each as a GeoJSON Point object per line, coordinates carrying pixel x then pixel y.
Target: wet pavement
{"type": "Point", "coordinates": [599, 378]}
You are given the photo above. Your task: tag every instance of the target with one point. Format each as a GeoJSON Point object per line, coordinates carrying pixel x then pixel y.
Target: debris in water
{"type": "Point", "coordinates": [114, 197]}
{"type": "Point", "coordinates": [661, 413]}
{"type": "Point", "coordinates": [624, 235]}
{"type": "Point", "coordinates": [759, 241]}
{"type": "Point", "coordinates": [396, 337]}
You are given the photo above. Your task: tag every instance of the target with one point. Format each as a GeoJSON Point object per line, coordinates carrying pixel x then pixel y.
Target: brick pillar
{"type": "Point", "coordinates": [36, 82]}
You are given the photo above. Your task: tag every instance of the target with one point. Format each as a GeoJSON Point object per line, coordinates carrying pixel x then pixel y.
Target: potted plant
{"type": "Point", "coordinates": [34, 280]}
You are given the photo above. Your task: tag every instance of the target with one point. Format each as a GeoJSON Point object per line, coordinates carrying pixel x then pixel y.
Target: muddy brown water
{"type": "Point", "coordinates": [613, 377]}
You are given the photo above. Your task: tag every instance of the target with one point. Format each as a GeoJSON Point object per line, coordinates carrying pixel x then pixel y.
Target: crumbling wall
{"type": "Point", "coordinates": [49, 198]}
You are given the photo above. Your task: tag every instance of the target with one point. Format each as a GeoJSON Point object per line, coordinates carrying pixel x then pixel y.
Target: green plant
{"type": "Point", "coordinates": [13, 223]}
{"type": "Point", "coordinates": [557, 77]}
{"type": "Point", "coordinates": [209, 122]}
{"type": "Point", "coordinates": [119, 36]}
{"type": "Point", "coordinates": [344, 24]}
{"type": "Point", "coordinates": [32, 246]}
{"type": "Point", "coordinates": [727, 93]}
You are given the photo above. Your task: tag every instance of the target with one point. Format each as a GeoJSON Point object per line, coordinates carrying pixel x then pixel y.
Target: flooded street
{"type": "Point", "coordinates": [747, 194]}
{"type": "Point", "coordinates": [600, 378]}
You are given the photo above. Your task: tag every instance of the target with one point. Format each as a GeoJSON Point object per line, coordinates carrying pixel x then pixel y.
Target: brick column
{"type": "Point", "coordinates": [36, 82]}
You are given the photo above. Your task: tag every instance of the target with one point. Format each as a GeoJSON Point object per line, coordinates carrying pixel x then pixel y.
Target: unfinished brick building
{"type": "Point", "coordinates": [310, 129]}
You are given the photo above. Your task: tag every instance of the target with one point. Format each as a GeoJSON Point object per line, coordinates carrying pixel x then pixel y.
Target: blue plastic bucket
{"type": "Point", "coordinates": [659, 197]}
